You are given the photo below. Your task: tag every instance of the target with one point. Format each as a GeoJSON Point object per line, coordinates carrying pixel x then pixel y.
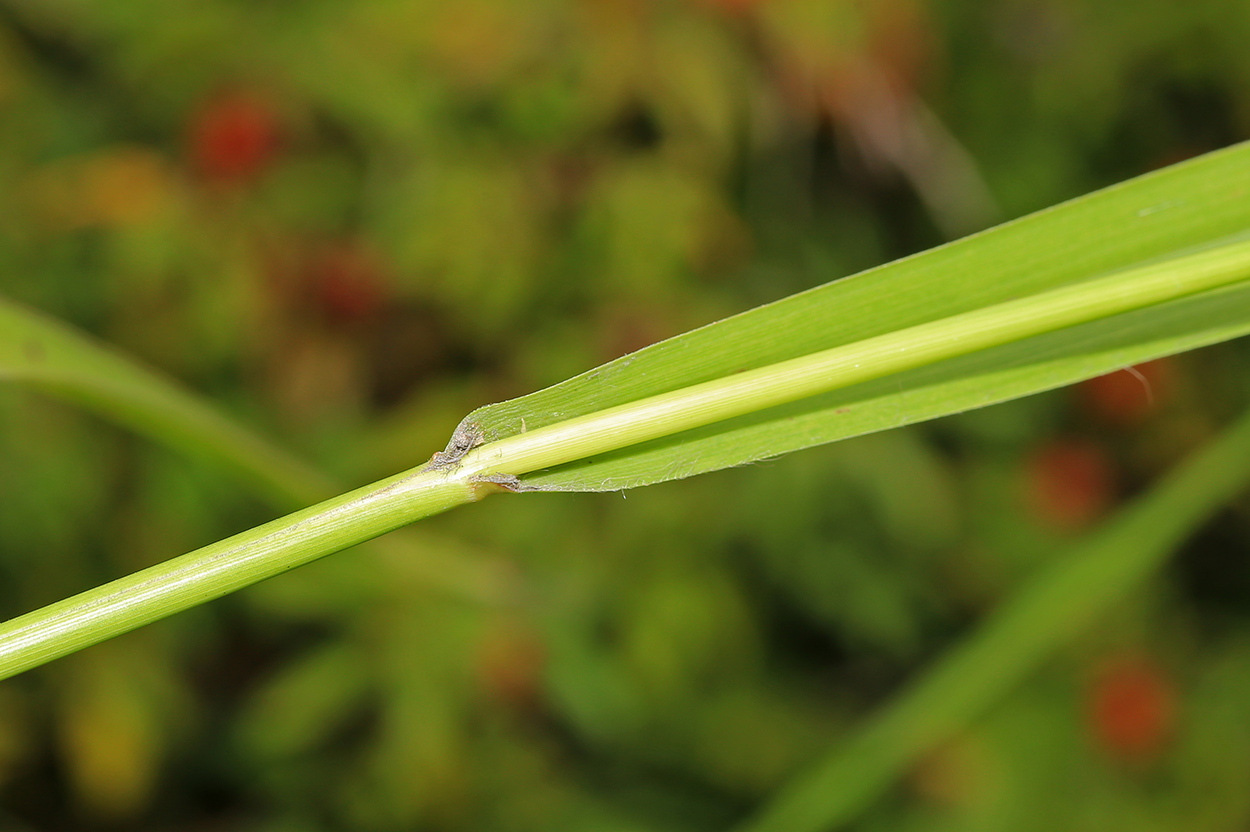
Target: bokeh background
{"type": "Point", "coordinates": [349, 223]}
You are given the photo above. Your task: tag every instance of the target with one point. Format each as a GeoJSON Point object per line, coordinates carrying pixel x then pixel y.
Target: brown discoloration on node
{"type": "Point", "coordinates": [494, 483]}
{"type": "Point", "coordinates": [467, 437]}
{"type": "Point", "coordinates": [507, 482]}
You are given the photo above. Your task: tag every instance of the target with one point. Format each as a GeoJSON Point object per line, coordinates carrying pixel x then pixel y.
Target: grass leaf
{"type": "Point", "coordinates": [1166, 214]}
{"type": "Point", "coordinates": [1153, 266]}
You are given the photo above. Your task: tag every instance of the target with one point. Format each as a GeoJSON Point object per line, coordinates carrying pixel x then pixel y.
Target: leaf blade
{"type": "Point", "coordinates": [1156, 216]}
{"type": "Point", "coordinates": [1003, 373]}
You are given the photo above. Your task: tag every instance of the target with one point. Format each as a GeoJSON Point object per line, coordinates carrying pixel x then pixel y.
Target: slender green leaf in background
{"type": "Point", "coordinates": [48, 355]}
{"type": "Point", "coordinates": [44, 353]}
{"type": "Point", "coordinates": [1054, 606]}
{"type": "Point", "coordinates": [1157, 215]}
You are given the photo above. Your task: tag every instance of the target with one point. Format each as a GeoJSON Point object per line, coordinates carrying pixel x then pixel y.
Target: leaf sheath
{"type": "Point", "coordinates": [228, 565]}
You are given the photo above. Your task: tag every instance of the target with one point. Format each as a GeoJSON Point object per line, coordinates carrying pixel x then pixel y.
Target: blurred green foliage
{"type": "Point", "coordinates": [351, 223]}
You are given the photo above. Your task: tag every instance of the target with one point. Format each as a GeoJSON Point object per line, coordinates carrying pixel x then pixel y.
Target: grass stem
{"type": "Point", "coordinates": [223, 567]}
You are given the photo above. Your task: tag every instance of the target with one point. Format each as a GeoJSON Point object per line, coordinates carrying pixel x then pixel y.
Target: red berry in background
{"type": "Point", "coordinates": [1126, 397]}
{"type": "Point", "coordinates": [1070, 483]}
{"type": "Point", "coordinates": [233, 137]}
{"type": "Point", "coordinates": [1131, 708]}
{"type": "Point", "coordinates": [349, 282]}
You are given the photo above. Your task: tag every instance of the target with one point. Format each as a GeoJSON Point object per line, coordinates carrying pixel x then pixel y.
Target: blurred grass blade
{"type": "Point", "coordinates": [41, 352]}
{"type": "Point", "coordinates": [1161, 215]}
{"type": "Point", "coordinates": [1058, 603]}
{"type": "Point", "coordinates": [44, 353]}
